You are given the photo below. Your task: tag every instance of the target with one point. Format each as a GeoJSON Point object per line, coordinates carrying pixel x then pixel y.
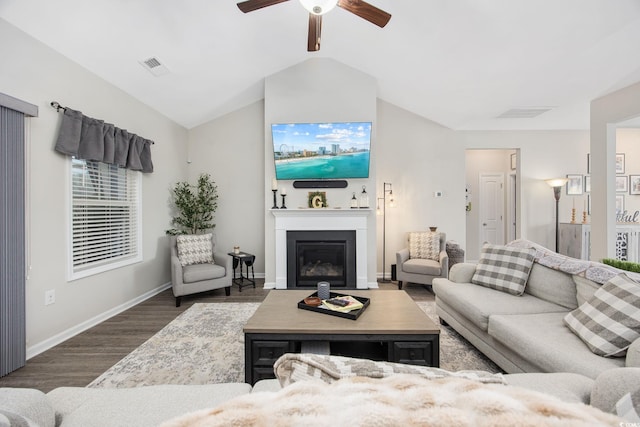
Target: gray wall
{"type": "Point", "coordinates": [33, 72]}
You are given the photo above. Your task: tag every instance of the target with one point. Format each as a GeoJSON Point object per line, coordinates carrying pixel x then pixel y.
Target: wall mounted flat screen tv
{"type": "Point", "coordinates": [321, 150]}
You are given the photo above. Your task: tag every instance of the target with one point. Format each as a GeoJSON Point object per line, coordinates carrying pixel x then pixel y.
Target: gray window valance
{"type": "Point", "coordinates": [91, 139]}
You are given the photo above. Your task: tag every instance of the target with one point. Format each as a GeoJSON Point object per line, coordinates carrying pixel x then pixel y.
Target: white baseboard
{"type": "Point", "coordinates": [45, 345]}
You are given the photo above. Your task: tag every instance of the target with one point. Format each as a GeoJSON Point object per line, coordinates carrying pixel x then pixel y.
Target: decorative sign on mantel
{"type": "Point", "coordinates": [318, 199]}
{"type": "Point", "coordinates": [627, 217]}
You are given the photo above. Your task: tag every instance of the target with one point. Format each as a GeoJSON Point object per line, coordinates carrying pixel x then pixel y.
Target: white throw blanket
{"type": "Point", "coordinates": [399, 400]}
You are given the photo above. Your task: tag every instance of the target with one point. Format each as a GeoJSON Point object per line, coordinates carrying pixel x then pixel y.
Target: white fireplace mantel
{"type": "Point", "coordinates": [321, 219]}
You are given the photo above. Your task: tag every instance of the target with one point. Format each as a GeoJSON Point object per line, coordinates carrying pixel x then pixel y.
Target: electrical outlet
{"type": "Point", "coordinates": [50, 297]}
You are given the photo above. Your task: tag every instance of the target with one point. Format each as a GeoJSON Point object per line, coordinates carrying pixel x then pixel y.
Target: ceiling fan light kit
{"type": "Point", "coordinates": [319, 7]}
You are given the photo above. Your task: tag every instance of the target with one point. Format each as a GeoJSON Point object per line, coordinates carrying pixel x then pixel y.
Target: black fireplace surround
{"type": "Point", "coordinates": [321, 256]}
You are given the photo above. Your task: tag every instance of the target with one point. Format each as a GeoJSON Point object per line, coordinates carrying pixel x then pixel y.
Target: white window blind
{"type": "Point", "coordinates": [105, 218]}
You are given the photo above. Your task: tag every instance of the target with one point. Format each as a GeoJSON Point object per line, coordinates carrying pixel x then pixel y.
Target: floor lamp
{"type": "Point", "coordinates": [387, 190]}
{"type": "Point", "coordinates": [557, 184]}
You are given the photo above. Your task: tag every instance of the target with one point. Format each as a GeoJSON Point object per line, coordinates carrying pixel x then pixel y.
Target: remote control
{"type": "Point", "coordinates": [340, 302]}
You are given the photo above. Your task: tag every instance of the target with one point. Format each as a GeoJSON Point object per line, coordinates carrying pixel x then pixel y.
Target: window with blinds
{"type": "Point", "coordinates": [105, 218]}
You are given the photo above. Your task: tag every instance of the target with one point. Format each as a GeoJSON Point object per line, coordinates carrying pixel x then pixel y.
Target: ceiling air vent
{"type": "Point", "coordinates": [524, 112]}
{"type": "Point", "coordinates": [154, 66]}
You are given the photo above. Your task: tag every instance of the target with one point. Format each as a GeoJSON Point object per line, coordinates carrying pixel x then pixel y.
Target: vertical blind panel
{"type": "Point", "coordinates": [12, 242]}
{"type": "Point", "coordinates": [105, 212]}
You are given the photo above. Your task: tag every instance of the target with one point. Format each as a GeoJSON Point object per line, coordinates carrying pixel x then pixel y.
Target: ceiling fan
{"type": "Point", "coordinates": [317, 8]}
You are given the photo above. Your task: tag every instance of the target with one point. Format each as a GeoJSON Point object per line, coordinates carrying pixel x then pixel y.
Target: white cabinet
{"type": "Point", "coordinates": [575, 241]}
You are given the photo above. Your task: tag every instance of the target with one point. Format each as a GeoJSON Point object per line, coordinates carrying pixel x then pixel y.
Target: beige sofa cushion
{"type": "Point", "coordinates": [477, 303]}
{"type": "Point", "coordinates": [548, 344]}
{"type": "Point", "coordinates": [139, 406]}
{"type": "Point", "coordinates": [422, 266]}
{"type": "Point", "coordinates": [198, 272]}
{"type": "Point", "coordinates": [585, 288]}
{"type": "Point", "coordinates": [25, 407]}
{"type": "Point", "coordinates": [552, 285]}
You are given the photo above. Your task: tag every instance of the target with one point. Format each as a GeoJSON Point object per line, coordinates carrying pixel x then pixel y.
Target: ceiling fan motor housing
{"type": "Point", "coordinates": [319, 7]}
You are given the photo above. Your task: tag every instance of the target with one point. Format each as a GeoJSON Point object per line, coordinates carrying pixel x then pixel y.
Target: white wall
{"type": "Point", "coordinates": [36, 74]}
{"type": "Point", "coordinates": [317, 90]}
{"type": "Point", "coordinates": [231, 149]}
{"type": "Point", "coordinates": [417, 157]}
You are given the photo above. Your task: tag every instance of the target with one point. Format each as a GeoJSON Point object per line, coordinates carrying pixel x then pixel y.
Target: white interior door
{"type": "Point", "coordinates": [511, 207]}
{"type": "Point", "coordinates": [491, 208]}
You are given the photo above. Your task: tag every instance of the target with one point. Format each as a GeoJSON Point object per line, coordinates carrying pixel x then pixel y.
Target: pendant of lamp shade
{"type": "Point", "coordinates": [319, 7]}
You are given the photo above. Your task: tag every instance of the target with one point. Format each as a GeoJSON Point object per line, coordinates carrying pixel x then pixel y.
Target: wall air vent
{"type": "Point", "coordinates": [523, 112]}
{"type": "Point", "coordinates": [154, 66]}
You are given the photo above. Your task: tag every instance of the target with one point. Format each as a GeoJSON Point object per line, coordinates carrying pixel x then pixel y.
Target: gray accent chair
{"type": "Point", "coordinates": [192, 279]}
{"type": "Point", "coordinates": [422, 271]}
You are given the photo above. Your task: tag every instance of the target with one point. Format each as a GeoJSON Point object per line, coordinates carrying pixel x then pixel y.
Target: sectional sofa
{"type": "Point", "coordinates": [527, 332]}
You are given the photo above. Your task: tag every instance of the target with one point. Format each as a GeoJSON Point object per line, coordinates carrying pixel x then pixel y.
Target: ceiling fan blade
{"type": "Point", "coordinates": [251, 5]}
{"type": "Point", "coordinates": [366, 11]}
{"type": "Point", "coordinates": [315, 28]}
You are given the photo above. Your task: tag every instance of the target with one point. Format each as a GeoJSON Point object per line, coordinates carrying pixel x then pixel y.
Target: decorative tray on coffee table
{"type": "Point", "coordinates": [353, 314]}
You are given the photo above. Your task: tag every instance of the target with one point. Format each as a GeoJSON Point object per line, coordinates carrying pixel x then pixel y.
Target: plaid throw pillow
{"type": "Point", "coordinates": [424, 245]}
{"type": "Point", "coordinates": [610, 321]}
{"type": "Point", "coordinates": [504, 268]}
{"type": "Point", "coordinates": [195, 249]}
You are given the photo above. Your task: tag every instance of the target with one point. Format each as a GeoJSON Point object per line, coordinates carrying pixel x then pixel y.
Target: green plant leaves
{"type": "Point", "coordinates": [195, 206]}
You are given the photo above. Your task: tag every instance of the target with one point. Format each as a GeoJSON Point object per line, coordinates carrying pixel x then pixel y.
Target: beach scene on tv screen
{"type": "Point", "coordinates": [321, 150]}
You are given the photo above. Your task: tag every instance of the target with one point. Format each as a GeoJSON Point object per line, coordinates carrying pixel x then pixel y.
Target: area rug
{"type": "Point", "coordinates": [205, 345]}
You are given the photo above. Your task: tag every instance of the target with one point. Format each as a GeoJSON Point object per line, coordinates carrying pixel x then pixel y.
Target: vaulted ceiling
{"type": "Point", "coordinates": [461, 63]}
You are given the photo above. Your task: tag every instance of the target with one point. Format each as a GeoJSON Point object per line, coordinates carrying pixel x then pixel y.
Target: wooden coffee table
{"type": "Point", "coordinates": [393, 328]}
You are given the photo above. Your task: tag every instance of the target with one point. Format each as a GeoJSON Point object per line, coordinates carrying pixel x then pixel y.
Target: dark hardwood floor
{"type": "Point", "coordinates": [82, 358]}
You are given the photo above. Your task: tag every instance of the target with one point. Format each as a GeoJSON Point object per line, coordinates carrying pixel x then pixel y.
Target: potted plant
{"type": "Point", "coordinates": [194, 205]}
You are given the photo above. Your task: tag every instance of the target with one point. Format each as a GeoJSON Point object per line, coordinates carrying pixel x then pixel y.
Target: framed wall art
{"type": "Point", "coordinates": [634, 184]}
{"type": "Point", "coordinates": [622, 184]}
{"type": "Point", "coordinates": [574, 185]}
{"type": "Point", "coordinates": [619, 163]}
{"type": "Point", "coordinates": [619, 203]}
